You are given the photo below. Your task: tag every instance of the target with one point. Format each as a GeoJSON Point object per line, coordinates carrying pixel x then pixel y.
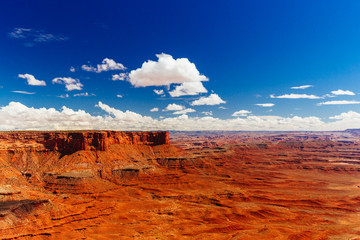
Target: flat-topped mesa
{"type": "Point", "coordinates": [72, 141]}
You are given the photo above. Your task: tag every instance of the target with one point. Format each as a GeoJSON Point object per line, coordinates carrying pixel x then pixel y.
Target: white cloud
{"type": "Point", "coordinates": [23, 92]}
{"type": "Point", "coordinates": [159, 92]}
{"type": "Point", "coordinates": [106, 65]}
{"type": "Point", "coordinates": [16, 116]}
{"type": "Point", "coordinates": [84, 94]}
{"type": "Point", "coordinates": [348, 115]}
{"type": "Point", "coordinates": [209, 113]}
{"type": "Point", "coordinates": [174, 107]}
{"type": "Point", "coordinates": [165, 71]}
{"type": "Point", "coordinates": [64, 96]}
{"type": "Point", "coordinates": [20, 32]}
{"type": "Point", "coordinates": [296, 96]}
{"type": "Point", "coordinates": [32, 36]}
{"type": "Point", "coordinates": [340, 102]}
{"type": "Point", "coordinates": [119, 96]}
{"type": "Point", "coordinates": [72, 69]}
{"type": "Point", "coordinates": [222, 107]}
{"type": "Point", "coordinates": [154, 110]}
{"type": "Point", "coordinates": [302, 87]}
{"type": "Point", "coordinates": [31, 80]}
{"type": "Point", "coordinates": [120, 76]}
{"type": "Point", "coordinates": [184, 111]}
{"type": "Point", "coordinates": [241, 113]}
{"type": "Point", "coordinates": [265, 104]}
{"type": "Point", "coordinates": [213, 99]}
{"type": "Point", "coordinates": [342, 92]}
{"type": "Point", "coordinates": [188, 88]}
{"type": "Point", "coordinates": [70, 83]}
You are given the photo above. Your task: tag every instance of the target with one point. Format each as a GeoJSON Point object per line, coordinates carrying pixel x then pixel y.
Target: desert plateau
{"type": "Point", "coordinates": [179, 185]}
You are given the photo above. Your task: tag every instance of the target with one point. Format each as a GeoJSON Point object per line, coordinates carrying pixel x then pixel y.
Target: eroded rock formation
{"type": "Point", "coordinates": [136, 185]}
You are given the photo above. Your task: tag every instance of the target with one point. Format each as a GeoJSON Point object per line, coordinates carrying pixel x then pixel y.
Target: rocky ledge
{"type": "Point", "coordinates": [71, 141]}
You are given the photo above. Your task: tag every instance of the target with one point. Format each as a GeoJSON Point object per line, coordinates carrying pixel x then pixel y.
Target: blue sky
{"type": "Point", "coordinates": [217, 64]}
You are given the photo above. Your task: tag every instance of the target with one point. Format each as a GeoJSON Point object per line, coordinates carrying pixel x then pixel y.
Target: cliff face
{"type": "Point", "coordinates": [70, 142]}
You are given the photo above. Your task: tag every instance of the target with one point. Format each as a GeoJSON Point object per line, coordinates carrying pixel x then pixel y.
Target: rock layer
{"type": "Point", "coordinates": [219, 186]}
{"type": "Point", "coordinates": [70, 142]}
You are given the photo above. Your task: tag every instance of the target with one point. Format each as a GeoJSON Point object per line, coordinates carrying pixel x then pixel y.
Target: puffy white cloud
{"type": "Point", "coordinates": [165, 71]}
{"type": "Point", "coordinates": [16, 116]}
{"type": "Point", "coordinates": [340, 102]}
{"type": "Point", "coordinates": [84, 94]}
{"type": "Point", "coordinates": [23, 92]}
{"type": "Point", "coordinates": [159, 92]}
{"type": "Point", "coordinates": [188, 88]}
{"type": "Point", "coordinates": [347, 115]}
{"type": "Point", "coordinates": [265, 104]}
{"type": "Point", "coordinates": [120, 76]}
{"type": "Point", "coordinates": [31, 80]}
{"type": "Point", "coordinates": [302, 87]}
{"type": "Point", "coordinates": [222, 107]}
{"type": "Point", "coordinates": [119, 96]}
{"type": "Point", "coordinates": [241, 113]}
{"type": "Point", "coordinates": [70, 83]}
{"type": "Point", "coordinates": [106, 65]}
{"type": "Point", "coordinates": [72, 69]}
{"type": "Point", "coordinates": [184, 111]}
{"type": "Point", "coordinates": [342, 92]}
{"type": "Point", "coordinates": [154, 109]}
{"type": "Point", "coordinates": [296, 96]}
{"type": "Point", "coordinates": [209, 113]}
{"type": "Point", "coordinates": [213, 99]}
{"type": "Point", "coordinates": [173, 107]}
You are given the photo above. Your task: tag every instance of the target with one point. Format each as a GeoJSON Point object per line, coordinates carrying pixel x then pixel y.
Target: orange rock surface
{"type": "Point", "coordinates": [136, 185]}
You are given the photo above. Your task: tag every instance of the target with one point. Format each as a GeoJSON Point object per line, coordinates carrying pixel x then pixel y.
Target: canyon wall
{"type": "Point", "coordinates": [68, 142]}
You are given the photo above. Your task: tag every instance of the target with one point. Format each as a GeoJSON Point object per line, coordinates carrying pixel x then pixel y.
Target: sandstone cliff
{"type": "Point", "coordinates": [69, 142]}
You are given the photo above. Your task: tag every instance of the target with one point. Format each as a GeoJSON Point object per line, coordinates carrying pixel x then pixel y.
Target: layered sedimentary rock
{"type": "Point", "coordinates": [136, 185]}
{"type": "Point", "coordinates": [70, 142]}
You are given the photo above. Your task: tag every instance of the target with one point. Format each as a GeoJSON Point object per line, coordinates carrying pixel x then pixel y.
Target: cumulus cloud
{"type": "Point", "coordinates": [159, 92]}
{"type": "Point", "coordinates": [165, 71]}
{"type": "Point", "coordinates": [296, 96]}
{"type": "Point", "coordinates": [173, 107]}
{"type": "Point", "coordinates": [265, 104]}
{"type": "Point", "coordinates": [119, 77]}
{"type": "Point", "coordinates": [32, 36]}
{"type": "Point", "coordinates": [16, 116]}
{"type": "Point", "coordinates": [347, 115]}
{"type": "Point", "coordinates": [84, 94]}
{"type": "Point", "coordinates": [72, 69]}
{"type": "Point", "coordinates": [70, 83]}
{"type": "Point", "coordinates": [184, 111]}
{"type": "Point", "coordinates": [106, 65]}
{"type": "Point", "coordinates": [119, 96]}
{"type": "Point", "coordinates": [23, 92]}
{"type": "Point", "coordinates": [343, 92]}
{"type": "Point", "coordinates": [241, 113]}
{"type": "Point", "coordinates": [31, 80]}
{"type": "Point", "coordinates": [340, 102]}
{"type": "Point", "coordinates": [302, 87]}
{"type": "Point", "coordinates": [188, 88]}
{"type": "Point", "coordinates": [213, 99]}
{"type": "Point", "coordinates": [154, 109]}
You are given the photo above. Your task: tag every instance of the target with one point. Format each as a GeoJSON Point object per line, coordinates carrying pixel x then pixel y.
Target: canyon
{"type": "Point", "coordinates": [182, 185]}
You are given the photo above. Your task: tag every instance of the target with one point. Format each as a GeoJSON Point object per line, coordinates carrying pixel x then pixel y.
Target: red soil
{"type": "Point", "coordinates": [124, 185]}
